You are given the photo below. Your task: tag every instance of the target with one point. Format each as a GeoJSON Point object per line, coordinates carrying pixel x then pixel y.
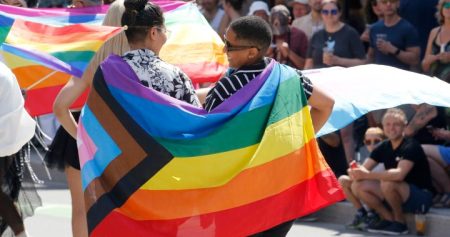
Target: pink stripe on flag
{"type": "Point", "coordinates": [169, 5]}
{"type": "Point", "coordinates": [86, 147]}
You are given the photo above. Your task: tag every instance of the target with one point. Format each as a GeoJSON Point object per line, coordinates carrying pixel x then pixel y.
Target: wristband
{"type": "Point", "coordinates": [397, 52]}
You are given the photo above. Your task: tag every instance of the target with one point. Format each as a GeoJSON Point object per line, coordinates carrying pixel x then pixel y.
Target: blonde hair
{"type": "Point", "coordinates": [116, 45]}
{"type": "Point", "coordinates": [375, 131]}
{"type": "Point", "coordinates": [396, 113]}
{"type": "Point", "coordinates": [439, 16]}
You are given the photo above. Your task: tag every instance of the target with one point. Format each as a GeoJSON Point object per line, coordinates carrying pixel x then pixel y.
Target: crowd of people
{"type": "Point", "coordinates": [407, 164]}
{"type": "Point", "coordinates": [412, 143]}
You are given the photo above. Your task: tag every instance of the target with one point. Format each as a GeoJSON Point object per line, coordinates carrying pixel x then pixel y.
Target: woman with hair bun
{"type": "Point", "coordinates": [146, 34]}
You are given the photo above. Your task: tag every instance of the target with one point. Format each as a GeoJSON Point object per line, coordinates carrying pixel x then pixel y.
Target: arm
{"type": "Point", "coordinates": [396, 174]}
{"type": "Point", "coordinates": [309, 63]}
{"type": "Point", "coordinates": [370, 58]}
{"type": "Point", "coordinates": [321, 106]}
{"type": "Point", "coordinates": [346, 62]}
{"type": "Point", "coordinates": [408, 56]}
{"type": "Point", "coordinates": [429, 57]}
{"type": "Point", "coordinates": [423, 115]}
{"type": "Point", "coordinates": [440, 133]}
{"type": "Point", "coordinates": [202, 93]}
{"type": "Point", "coordinates": [289, 54]}
{"type": "Point", "coordinates": [68, 94]}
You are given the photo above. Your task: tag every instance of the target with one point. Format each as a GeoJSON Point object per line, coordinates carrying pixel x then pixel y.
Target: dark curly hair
{"type": "Point", "coordinates": [139, 17]}
{"type": "Point", "coordinates": [253, 30]}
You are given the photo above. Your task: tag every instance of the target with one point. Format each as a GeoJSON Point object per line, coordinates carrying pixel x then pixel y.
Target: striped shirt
{"type": "Point", "coordinates": [237, 79]}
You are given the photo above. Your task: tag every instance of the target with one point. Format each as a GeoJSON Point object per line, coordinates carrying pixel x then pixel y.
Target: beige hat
{"type": "Point", "coordinates": [300, 1]}
{"type": "Point", "coordinates": [257, 6]}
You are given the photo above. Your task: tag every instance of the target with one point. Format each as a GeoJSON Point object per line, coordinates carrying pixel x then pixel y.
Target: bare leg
{"type": "Point", "coordinates": [79, 223]}
{"type": "Point", "coordinates": [347, 142]}
{"type": "Point", "coordinates": [432, 151]}
{"type": "Point", "coordinates": [439, 175]}
{"type": "Point", "coordinates": [396, 193]}
{"type": "Point", "coordinates": [346, 184]}
{"type": "Point", "coordinates": [369, 191]}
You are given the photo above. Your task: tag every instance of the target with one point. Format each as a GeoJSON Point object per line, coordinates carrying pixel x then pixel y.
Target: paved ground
{"type": "Point", "coordinates": [53, 218]}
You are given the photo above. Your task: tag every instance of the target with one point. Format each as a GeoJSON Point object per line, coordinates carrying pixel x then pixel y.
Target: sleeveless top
{"type": "Point", "coordinates": [439, 69]}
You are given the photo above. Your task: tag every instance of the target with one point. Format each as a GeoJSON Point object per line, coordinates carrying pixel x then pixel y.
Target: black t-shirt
{"type": "Point", "coordinates": [410, 150]}
{"type": "Point", "coordinates": [346, 44]}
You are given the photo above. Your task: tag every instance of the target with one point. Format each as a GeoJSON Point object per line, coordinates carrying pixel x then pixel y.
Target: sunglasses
{"type": "Point", "coordinates": [333, 12]}
{"type": "Point", "coordinates": [164, 30]}
{"type": "Point", "coordinates": [229, 47]}
{"type": "Point", "coordinates": [446, 5]}
{"type": "Point", "coordinates": [371, 142]}
{"type": "Point", "coordinates": [388, 1]}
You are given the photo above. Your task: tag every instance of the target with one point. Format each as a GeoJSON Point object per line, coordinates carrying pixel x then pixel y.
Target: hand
{"type": "Point", "coordinates": [440, 133]}
{"type": "Point", "coordinates": [365, 36]}
{"type": "Point", "coordinates": [444, 57]}
{"type": "Point", "coordinates": [270, 52]}
{"type": "Point", "coordinates": [386, 47]}
{"type": "Point", "coordinates": [283, 47]}
{"type": "Point", "coordinates": [330, 59]}
{"type": "Point", "coordinates": [357, 174]}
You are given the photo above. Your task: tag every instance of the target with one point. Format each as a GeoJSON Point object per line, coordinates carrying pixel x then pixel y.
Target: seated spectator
{"type": "Point", "coordinates": [261, 9]}
{"type": "Point", "coordinates": [437, 55]}
{"type": "Point", "coordinates": [405, 185]}
{"type": "Point", "coordinates": [300, 8]}
{"type": "Point", "coordinates": [363, 218]}
{"type": "Point", "coordinates": [426, 117]}
{"type": "Point", "coordinates": [439, 159]}
{"type": "Point", "coordinates": [336, 45]}
{"type": "Point", "coordinates": [393, 40]}
{"type": "Point", "coordinates": [213, 14]}
{"type": "Point", "coordinates": [289, 43]}
{"type": "Point", "coordinates": [312, 22]}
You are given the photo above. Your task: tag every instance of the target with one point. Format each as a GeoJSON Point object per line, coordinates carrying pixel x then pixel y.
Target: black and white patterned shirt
{"type": "Point", "coordinates": [235, 80]}
{"type": "Point", "coordinates": [161, 76]}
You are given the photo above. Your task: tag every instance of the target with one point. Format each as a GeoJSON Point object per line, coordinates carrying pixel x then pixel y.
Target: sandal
{"type": "Point", "coordinates": [444, 202]}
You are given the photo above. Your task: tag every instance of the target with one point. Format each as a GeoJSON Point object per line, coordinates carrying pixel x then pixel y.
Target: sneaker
{"type": "Point", "coordinates": [395, 228]}
{"type": "Point", "coordinates": [371, 219]}
{"type": "Point", "coordinates": [357, 222]}
{"type": "Point", "coordinates": [378, 226]}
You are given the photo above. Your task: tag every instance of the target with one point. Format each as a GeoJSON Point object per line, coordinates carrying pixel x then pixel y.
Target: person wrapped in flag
{"type": "Point", "coordinates": [246, 41]}
{"type": "Point", "coordinates": [155, 165]}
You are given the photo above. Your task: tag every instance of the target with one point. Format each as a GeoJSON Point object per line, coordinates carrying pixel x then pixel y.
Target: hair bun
{"type": "Point", "coordinates": [136, 5]}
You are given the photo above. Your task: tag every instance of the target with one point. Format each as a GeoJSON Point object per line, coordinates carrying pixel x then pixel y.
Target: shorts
{"type": "Point", "coordinates": [419, 200]}
{"type": "Point", "coordinates": [445, 153]}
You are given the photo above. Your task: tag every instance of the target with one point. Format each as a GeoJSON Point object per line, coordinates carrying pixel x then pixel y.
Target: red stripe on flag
{"type": "Point", "coordinates": [300, 200]}
{"type": "Point", "coordinates": [40, 101]}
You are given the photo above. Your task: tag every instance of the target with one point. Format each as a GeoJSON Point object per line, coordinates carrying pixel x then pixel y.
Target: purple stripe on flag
{"type": "Point", "coordinates": [120, 75]}
{"type": "Point", "coordinates": [50, 12]}
{"type": "Point", "coordinates": [169, 5]}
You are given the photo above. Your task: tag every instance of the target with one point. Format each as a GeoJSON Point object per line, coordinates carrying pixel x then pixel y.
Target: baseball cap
{"type": "Point", "coordinates": [257, 6]}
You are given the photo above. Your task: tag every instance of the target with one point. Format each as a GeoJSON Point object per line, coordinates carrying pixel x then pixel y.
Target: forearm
{"type": "Point", "coordinates": [407, 57]}
{"type": "Point", "coordinates": [66, 120]}
{"type": "Point", "coordinates": [388, 175]}
{"type": "Point", "coordinates": [350, 62]}
{"type": "Point", "coordinates": [424, 114]}
{"type": "Point", "coordinates": [298, 61]}
{"type": "Point", "coordinates": [319, 118]}
{"type": "Point", "coordinates": [426, 63]}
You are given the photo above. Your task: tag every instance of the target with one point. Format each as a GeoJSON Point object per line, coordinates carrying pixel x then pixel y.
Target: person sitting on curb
{"type": "Point", "coordinates": [363, 218]}
{"type": "Point", "coordinates": [405, 185]}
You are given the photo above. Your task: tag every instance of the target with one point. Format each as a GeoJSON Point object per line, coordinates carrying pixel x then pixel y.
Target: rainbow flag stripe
{"type": "Point", "coordinates": [156, 166]}
{"type": "Point", "coordinates": [192, 45]}
{"type": "Point", "coordinates": [57, 16]}
{"type": "Point", "coordinates": [36, 42]}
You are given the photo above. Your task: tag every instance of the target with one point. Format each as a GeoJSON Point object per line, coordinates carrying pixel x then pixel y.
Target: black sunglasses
{"type": "Point", "coordinates": [228, 47]}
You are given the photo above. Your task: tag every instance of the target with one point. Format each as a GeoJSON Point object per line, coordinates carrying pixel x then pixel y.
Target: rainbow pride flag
{"type": "Point", "coordinates": [155, 166]}
{"type": "Point", "coordinates": [44, 47]}
{"type": "Point", "coordinates": [192, 45]}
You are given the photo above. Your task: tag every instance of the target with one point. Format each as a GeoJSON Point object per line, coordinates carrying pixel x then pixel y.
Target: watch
{"type": "Point", "coordinates": [397, 52]}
